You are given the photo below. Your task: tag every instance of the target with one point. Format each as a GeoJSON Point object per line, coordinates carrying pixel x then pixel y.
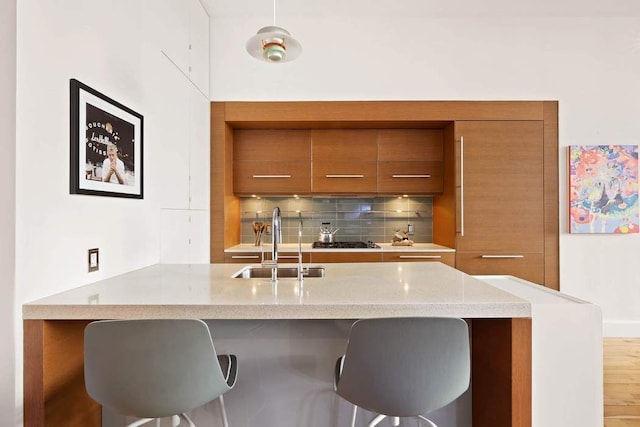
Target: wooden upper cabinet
{"type": "Point", "coordinates": [267, 161]}
{"type": "Point", "coordinates": [410, 161]}
{"type": "Point", "coordinates": [500, 188]}
{"type": "Point", "coordinates": [344, 161]}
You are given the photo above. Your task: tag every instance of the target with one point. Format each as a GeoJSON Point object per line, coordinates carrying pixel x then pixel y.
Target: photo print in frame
{"type": "Point", "coordinates": [106, 145]}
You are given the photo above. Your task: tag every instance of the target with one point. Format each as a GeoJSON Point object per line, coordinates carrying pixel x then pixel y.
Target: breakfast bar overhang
{"type": "Point", "coordinates": [500, 322]}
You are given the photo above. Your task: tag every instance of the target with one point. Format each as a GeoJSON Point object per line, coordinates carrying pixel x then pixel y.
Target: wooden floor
{"type": "Point", "coordinates": [621, 382]}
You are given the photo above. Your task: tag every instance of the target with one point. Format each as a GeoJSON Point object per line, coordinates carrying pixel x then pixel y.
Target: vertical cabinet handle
{"type": "Point", "coordinates": [462, 186]}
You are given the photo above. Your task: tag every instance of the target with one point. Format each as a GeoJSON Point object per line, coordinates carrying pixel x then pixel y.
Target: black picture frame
{"type": "Point", "coordinates": [103, 132]}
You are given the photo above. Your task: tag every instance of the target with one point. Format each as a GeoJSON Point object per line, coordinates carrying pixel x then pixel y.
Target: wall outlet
{"type": "Point", "coordinates": [411, 230]}
{"type": "Point", "coordinates": [94, 261]}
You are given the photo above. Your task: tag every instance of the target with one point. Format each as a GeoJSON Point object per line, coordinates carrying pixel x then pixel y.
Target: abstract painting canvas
{"type": "Point", "coordinates": [603, 189]}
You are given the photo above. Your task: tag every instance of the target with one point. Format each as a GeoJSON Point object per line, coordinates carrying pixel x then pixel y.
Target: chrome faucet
{"type": "Point", "coordinates": [276, 239]}
{"type": "Point", "coordinates": [301, 271]}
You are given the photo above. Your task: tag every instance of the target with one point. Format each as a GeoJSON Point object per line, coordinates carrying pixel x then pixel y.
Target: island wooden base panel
{"type": "Point", "coordinates": [55, 396]}
{"type": "Point", "coordinates": [54, 393]}
{"type": "Point", "coordinates": [501, 372]}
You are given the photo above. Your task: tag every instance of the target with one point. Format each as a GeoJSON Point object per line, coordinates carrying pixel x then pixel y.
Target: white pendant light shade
{"type": "Point", "coordinates": [274, 44]}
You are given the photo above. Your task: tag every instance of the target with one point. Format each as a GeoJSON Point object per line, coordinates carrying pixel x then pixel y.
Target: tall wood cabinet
{"type": "Point", "coordinates": [500, 198]}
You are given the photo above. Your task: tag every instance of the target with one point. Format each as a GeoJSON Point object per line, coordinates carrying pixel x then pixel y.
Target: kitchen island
{"type": "Point", "coordinates": [286, 336]}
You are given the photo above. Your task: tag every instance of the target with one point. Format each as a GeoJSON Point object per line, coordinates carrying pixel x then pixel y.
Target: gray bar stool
{"type": "Point", "coordinates": [155, 368]}
{"type": "Point", "coordinates": [404, 367]}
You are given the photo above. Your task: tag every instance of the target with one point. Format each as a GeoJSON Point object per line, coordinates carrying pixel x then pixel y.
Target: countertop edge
{"type": "Point", "coordinates": [267, 312]}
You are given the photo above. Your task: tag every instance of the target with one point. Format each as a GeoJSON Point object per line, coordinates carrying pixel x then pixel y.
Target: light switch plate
{"type": "Point", "coordinates": [94, 261]}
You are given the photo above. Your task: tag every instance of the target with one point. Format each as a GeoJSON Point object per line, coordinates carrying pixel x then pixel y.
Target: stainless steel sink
{"type": "Point", "coordinates": [251, 272]}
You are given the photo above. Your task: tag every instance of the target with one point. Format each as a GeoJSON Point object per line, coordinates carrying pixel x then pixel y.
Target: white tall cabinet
{"type": "Point", "coordinates": [184, 166]}
{"type": "Point", "coordinates": [186, 39]}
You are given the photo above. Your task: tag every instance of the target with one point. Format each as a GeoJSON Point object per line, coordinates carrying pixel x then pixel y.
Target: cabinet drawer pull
{"type": "Point", "coordinates": [411, 176]}
{"type": "Point", "coordinates": [272, 176]}
{"type": "Point", "coordinates": [287, 256]}
{"type": "Point", "coordinates": [344, 176]}
{"type": "Point", "coordinates": [420, 256]}
{"type": "Point", "coordinates": [501, 256]}
{"type": "Point", "coordinates": [245, 257]}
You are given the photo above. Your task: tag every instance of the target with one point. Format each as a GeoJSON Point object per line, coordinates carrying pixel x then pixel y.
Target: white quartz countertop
{"type": "Point", "coordinates": [306, 247]}
{"type": "Point", "coordinates": [348, 291]}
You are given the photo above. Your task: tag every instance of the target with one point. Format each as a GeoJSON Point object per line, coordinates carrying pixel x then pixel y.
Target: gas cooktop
{"type": "Point", "coordinates": [345, 245]}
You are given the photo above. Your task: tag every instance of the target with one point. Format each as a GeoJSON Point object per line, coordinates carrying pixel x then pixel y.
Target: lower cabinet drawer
{"type": "Point", "coordinates": [448, 258]}
{"type": "Point", "coordinates": [242, 257]}
{"type": "Point", "coordinates": [318, 257]}
{"type": "Point", "coordinates": [287, 257]}
{"type": "Point", "coordinates": [527, 266]}
{"type": "Point", "coordinates": [256, 258]}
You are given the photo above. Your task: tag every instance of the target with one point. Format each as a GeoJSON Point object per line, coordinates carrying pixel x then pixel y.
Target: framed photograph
{"type": "Point", "coordinates": [106, 145]}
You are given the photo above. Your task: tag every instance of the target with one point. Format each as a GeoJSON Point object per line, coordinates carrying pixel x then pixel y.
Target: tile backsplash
{"type": "Point", "coordinates": [358, 219]}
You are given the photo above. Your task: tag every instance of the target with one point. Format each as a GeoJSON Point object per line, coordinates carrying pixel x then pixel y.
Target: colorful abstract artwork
{"type": "Point", "coordinates": [603, 189]}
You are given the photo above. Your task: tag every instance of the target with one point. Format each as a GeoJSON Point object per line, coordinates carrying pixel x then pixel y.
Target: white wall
{"type": "Point", "coordinates": [590, 65]}
{"type": "Point", "coordinates": [7, 205]}
{"type": "Point", "coordinates": [115, 49]}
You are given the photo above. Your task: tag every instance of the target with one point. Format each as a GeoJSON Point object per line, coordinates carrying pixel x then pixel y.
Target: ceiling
{"type": "Point", "coordinates": [425, 8]}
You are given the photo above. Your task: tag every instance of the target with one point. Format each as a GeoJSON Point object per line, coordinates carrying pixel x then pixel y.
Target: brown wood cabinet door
{"type": "Point", "coordinates": [528, 266]}
{"type": "Point", "coordinates": [344, 145]}
{"type": "Point", "coordinates": [271, 161]}
{"type": "Point", "coordinates": [344, 161]}
{"type": "Point", "coordinates": [257, 177]}
{"type": "Point", "coordinates": [409, 177]}
{"type": "Point", "coordinates": [256, 257]}
{"type": "Point", "coordinates": [344, 177]}
{"type": "Point", "coordinates": [500, 188]}
{"type": "Point", "coordinates": [400, 145]}
{"type": "Point", "coordinates": [271, 144]}
{"type": "Point", "coordinates": [410, 161]}
{"type": "Point", "coordinates": [292, 257]}
{"type": "Point", "coordinates": [242, 257]}
{"type": "Point", "coordinates": [373, 256]}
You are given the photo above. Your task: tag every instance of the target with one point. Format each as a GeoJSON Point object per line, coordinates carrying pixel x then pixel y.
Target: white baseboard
{"type": "Point", "coordinates": [621, 329]}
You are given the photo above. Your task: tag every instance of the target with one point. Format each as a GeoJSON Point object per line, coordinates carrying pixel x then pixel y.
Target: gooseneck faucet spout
{"type": "Point", "coordinates": [300, 270]}
{"type": "Point", "coordinates": [276, 239]}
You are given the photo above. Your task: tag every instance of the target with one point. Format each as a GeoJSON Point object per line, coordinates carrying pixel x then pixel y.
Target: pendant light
{"type": "Point", "coordinates": [273, 43]}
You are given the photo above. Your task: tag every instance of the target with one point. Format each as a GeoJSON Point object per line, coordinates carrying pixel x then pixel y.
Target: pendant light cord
{"type": "Point", "coordinates": [274, 13]}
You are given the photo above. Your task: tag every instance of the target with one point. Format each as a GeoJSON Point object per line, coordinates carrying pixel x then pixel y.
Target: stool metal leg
{"type": "Point", "coordinates": [225, 422]}
{"type": "Point", "coordinates": [353, 416]}
{"type": "Point", "coordinates": [376, 420]}
{"type": "Point", "coordinates": [427, 420]}
{"type": "Point", "coordinates": [187, 419]}
{"type": "Point", "coordinates": [140, 422]}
